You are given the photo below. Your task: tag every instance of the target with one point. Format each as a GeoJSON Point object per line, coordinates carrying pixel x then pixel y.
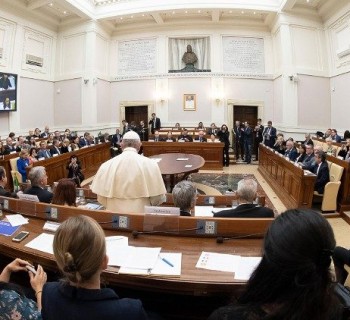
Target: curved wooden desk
{"type": "Point", "coordinates": [188, 240]}
{"type": "Point", "coordinates": [176, 169]}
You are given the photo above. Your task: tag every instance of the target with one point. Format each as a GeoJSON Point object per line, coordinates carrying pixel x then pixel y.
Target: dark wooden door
{"type": "Point", "coordinates": [245, 113]}
{"type": "Point", "coordinates": [137, 114]}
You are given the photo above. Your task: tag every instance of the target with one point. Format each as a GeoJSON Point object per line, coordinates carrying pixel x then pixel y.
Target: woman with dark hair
{"type": "Point", "coordinates": [13, 302]}
{"type": "Point", "coordinates": [293, 280]}
{"type": "Point", "coordinates": [224, 136]}
{"type": "Point", "coordinates": [74, 170]}
{"type": "Point", "coordinates": [65, 193]}
{"type": "Point", "coordinates": [346, 135]}
{"type": "Point", "coordinates": [301, 153]}
{"type": "Point", "coordinates": [32, 155]}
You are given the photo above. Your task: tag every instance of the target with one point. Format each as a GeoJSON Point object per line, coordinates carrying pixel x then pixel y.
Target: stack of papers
{"type": "Point", "coordinates": [242, 267]}
{"type": "Point", "coordinates": [16, 220]}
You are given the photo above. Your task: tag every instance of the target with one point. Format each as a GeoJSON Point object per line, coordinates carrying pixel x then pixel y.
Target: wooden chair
{"type": "Point", "coordinates": [329, 197]}
{"type": "Point", "coordinates": [14, 170]}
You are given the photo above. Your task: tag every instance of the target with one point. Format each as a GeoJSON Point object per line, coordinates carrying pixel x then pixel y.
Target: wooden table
{"type": "Point", "coordinates": [211, 152]}
{"type": "Point", "coordinates": [176, 170]}
{"type": "Point", "coordinates": [288, 181]}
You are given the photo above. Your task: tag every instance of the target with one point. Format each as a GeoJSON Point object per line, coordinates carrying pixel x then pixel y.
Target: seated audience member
{"type": "Point", "coordinates": [200, 126]}
{"type": "Point", "coordinates": [327, 134]}
{"type": "Point", "coordinates": [301, 153]}
{"type": "Point", "coordinates": [293, 280]}
{"type": "Point", "coordinates": [55, 149]}
{"type": "Point", "coordinates": [184, 136]}
{"type": "Point", "coordinates": [66, 134]}
{"type": "Point", "coordinates": [1, 148]}
{"type": "Point", "coordinates": [157, 137]}
{"type": "Point", "coordinates": [309, 157]}
{"type": "Point", "coordinates": [184, 196]}
{"type": "Point", "coordinates": [12, 135]}
{"type": "Point", "coordinates": [32, 142]}
{"type": "Point", "coordinates": [201, 137]}
{"type": "Point", "coordinates": [177, 126]}
{"type": "Point", "coordinates": [331, 150]}
{"type": "Point", "coordinates": [212, 138]}
{"type": "Point", "coordinates": [43, 151]}
{"type": "Point", "coordinates": [128, 182]}
{"type": "Point", "coordinates": [246, 195]}
{"type": "Point", "coordinates": [308, 139]}
{"type": "Point", "coordinates": [57, 135]}
{"type": "Point", "coordinates": [46, 133]}
{"type": "Point", "coordinates": [117, 138]}
{"type": "Point", "coordinates": [85, 140]}
{"type": "Point", "coordinates": [341, 257]}
{"type": "Point", "coordinates": [36, 133]}
{"type": "Point", "coordinates": [169, 137]}
{"type": "Point", "coordinates": [30, 134]}
{"type": "Point", "coordinates": [3, 183]}
{"type": "Point", "coordinates": [38, 178]}
{"type": "Point", "coordinates": [32, 156]}
{"type": "Point", "coordinates": [322, 171]}
{"type": "Point", "coordinates": [105, 137]}
{"type": "Point", "coordinates": [291, 152]}
{"type": "Point", "coordinates": [345, 149]}
{"type": "Point", "coordinates": [74, 170]}
{"type": "Point", "coordinates": [346, 135]}
{"type": "Point", "coordinates": [21, 144]}
{"type": "Point", "coordinates": [212, 130]}
{"type": "Point", "coordinates": [335, 137]}
{"type": "Point", "coordinates": [65, 148]}
{"type": "Point", "coordinates": [23, 163]}
{"type": "Point", "coordinates": [14, 304]}
{"type": "Point", "coordinates": [74, 145]}
{"type": "Point", "coordinates": [80, 293]}
{"type": "Point", "coordinates": [9, 147]}
{"type": "Point", "coordinates": [65, 193]}
{"type": "Point", "coordinates": [49, 140]}
{"type": "Point", "coordinates": [280, 144]}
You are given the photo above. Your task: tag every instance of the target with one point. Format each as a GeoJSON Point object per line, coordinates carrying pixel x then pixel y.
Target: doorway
{"type": "Point", "coordinates": [136, 114]}
{"type": "Point", "coordinates": [245, 113]}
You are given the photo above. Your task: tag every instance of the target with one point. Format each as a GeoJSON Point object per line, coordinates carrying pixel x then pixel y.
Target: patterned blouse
{"type": "Point", "coordinates": [13, 306]}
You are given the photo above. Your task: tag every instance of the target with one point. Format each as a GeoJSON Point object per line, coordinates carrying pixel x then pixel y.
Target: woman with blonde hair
{"type": "Point", "coordinates": [81, 259]}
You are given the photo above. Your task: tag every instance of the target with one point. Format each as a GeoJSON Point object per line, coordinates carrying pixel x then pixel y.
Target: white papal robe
{"type": "Point", "coordinates": [128, 182]}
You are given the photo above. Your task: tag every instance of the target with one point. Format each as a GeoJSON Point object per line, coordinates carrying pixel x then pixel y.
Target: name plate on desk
{"type": "Point", "coordinates": [162, 210]}
{"type": "Point", "coordinates": [29, 197]}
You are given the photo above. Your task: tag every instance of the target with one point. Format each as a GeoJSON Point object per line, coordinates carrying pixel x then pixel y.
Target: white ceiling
{"type": "Point", "coordinates": [128, 14]}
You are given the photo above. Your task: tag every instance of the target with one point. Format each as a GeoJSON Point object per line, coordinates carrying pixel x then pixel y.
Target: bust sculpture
{"type": "Point", "coordinates": [189, 56]}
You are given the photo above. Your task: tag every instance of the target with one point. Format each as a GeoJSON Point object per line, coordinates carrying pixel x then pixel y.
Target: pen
{"type": "Point", "coordinates": [167, 262]}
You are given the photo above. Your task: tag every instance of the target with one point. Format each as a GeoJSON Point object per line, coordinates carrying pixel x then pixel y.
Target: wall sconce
{"type": "Point", "coordinates": [217, 100]}
{"type": "Point", "coordinates": [86, 81]}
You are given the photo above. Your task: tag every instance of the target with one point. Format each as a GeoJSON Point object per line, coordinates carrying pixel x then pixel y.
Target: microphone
{"type": "Point", "coordinates": [221, 239]}
{"type": "Point", "coordinates": [136, 233]}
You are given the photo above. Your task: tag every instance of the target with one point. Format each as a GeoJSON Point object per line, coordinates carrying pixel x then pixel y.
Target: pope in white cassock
{"type": "Point", "coordinates": [128, 182]}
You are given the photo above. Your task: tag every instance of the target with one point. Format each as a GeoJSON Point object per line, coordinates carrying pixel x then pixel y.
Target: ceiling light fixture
{"type": "Point", "coordinates": [242, 12]}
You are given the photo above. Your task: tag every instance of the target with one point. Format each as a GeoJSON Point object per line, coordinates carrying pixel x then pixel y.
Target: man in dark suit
{"type": "Point", "coordinates": [269, 135]}
{"type": "Point", "coordinates": [322, 171]}
{"type": "Point", "coordinates": [155, 123]}
{"type": "Point", "coordinates": [55, 149]}
{"type": "Point", "coordinates": [38, 179]}
{"type": "Point", "coordinates": [3, 183]}
{"type": "Point", "coordinates": [9, 147]}
{"type": "Point", "coordinates": [258, 138]}
{"type": "Point", "coordinates": [43, 152]}
{"type": "Point", "coordinates": [201, 137]}
{"type": "Point", "coordinates": [248, 140]}
{"type": "Point", "coordinates": [335, 137]}
{"type": "Point", "coordinates": [185, 136]}
{"type": "Point", "coordinates": [157, 137]}
{"type": "Point", "coordinates": [46, 133]}
{"type": "Point", "coordinates": [291, 152]}
{"type": "Point", "coordinates": [85, 141]}
{"type": "Point", "coordinates": [239, 140]}
{"type": "Point", "coordinates": [246, 194]}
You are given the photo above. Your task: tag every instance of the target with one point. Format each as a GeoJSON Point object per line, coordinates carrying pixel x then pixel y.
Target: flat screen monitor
{"type": "Point", "coordinates": [8, 92]}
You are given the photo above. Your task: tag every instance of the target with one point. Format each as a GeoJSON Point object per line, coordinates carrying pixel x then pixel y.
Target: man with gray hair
{"type": "Point", "coordinates": [184, 196]}
{"type": "Point", "coordinates": [246, 194]}
{"type": "Point", "coordinates": [129, 182]}
{"type": "Point", "coordinates": [38, 179]}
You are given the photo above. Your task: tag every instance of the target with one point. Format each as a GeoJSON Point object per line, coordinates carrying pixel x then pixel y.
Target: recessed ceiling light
{"type": "Point", "coordinates": [199, 11]}
{"type": "Point", "coordinates": [186, 11]}
{"type": "Point", "coordinates": [173, 12]}
{"type": "Point", "coordinates": [254, 12]}
{"type": "Point", "coordinates": [64, 12]}
{"type": "Point", "coordinates": [143, 14]}
{"type": "Point", "coordinates": [230, 11]}
{"type": "Point", "coordinates": [131, 17]}
{"type": "Point", "coordinates": [121, 18]}
{"type": "Point", "coordinates": [51, 4]}
{"type": "Point", "coordinates": [242, 12]}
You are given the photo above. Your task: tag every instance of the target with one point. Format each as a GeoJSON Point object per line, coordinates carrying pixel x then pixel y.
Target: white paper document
{"type": "Point", "coordinates": [246, 267]}
{"type": "Point", "coordinates": [218, 261]}
{"type": "Point", "coordinates": [134, 257]}
{"type": "Point", "coordinates": [168, 264]}
{"type": "Point", "coordinates": [203, 211]}
{"type": "Point", "coordinates": [43, 242]}
{"type": "Point", "coordinates": [16, 220]}
{"type": "Point", "coordinates": [188, 166]}
{"type": "Point", "coordinates": [181, 159]}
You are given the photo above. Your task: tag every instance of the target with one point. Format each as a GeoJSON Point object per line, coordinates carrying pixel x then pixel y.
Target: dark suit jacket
{"type": "Point", "coordinates": [156, 126]}
{"type": "Point", "coordinates": [292, 154]}
{"type": "Point", "coordinates": [5, 193]}
{"type": "Point", "coordinates": [44, 153]}
{"type": "Point", "coordinates": [322, 177]}
{"type": "Point", "coordinates": [187, 138]}
{"type": "Point", "coordinates": [246, 210]}
{"type": "Point", "coordinates": [43, 195]}
{"type": "Point", "coordinates": [8, 149]}
{"type": "Point", "coordinates": [204, 139]}
{"type": "Point", "coordinates": [258, 133]}
{"type": "Point", "coordinates": [53, 151]}
{"type": "Point", "coordinates": [213, 131]}
{"type": "Point", "coordinates": [272, 138]}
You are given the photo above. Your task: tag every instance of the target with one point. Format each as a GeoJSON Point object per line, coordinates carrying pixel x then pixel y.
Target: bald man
{"type": "Point", "coordinates": [128, 182]}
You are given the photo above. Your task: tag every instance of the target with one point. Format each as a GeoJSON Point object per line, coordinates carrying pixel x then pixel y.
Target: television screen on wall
{"type": "Point", "coordinates": [8, 92]}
